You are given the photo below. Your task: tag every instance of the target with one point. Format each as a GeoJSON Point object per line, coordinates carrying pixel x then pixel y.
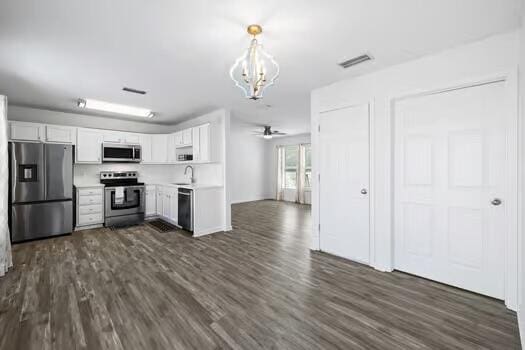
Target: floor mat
{"type": "Point", "coordinates": [162, 226]}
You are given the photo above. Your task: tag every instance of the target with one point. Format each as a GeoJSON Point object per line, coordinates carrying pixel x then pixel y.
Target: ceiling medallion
{"type": "Point", "coordinates": [250, 72]}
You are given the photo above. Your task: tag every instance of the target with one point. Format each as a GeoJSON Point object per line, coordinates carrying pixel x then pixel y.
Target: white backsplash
{"type": "Point", "coordinates": [151, 174]}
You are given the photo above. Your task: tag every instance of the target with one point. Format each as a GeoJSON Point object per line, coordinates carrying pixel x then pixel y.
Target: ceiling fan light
{"type": "Point", "coordinates": [267, 137]}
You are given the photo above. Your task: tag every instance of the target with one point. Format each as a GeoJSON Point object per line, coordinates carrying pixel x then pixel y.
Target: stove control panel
{"type": "Point", "coordinates": [118, 175]}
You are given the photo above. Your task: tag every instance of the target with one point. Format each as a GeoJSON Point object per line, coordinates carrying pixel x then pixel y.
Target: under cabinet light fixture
{"type": "Point", "coordinates": [114, 108]}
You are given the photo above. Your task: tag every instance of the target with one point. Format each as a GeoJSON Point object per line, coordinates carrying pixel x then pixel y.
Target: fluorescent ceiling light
{"type": "Point", "coordinates": [114, 108]}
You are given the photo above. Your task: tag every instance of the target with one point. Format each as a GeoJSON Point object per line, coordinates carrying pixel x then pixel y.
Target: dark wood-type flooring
{"type": "Point", "coordinates": [257, 287]}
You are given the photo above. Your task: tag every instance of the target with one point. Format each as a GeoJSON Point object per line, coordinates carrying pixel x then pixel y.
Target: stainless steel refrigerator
{"type": "Point", "coordinates": [41, 190]}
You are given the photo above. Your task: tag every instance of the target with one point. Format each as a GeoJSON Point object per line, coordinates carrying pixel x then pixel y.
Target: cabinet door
{"type": "Point", "coordinates": [132, 138]}
{"type": "Point", "coordinates": [113, 136]}
{"type": "Point", "coordinates": [159, 148]}
{"type": "Point", "coordinates": [186, 137]}
{"type": "Point", "coordinates": [174, 200]}
{"type": "Point", "coordinates": [145, 144]}
{"type": "Point", "coordinates": [21, 131]}
{"type": "Point", "coordinates": [60, 134]}
{"type": "Point", "coordinates": [204, 143]}
{"type": "Point", "coordinates": [172, 154]}
{"type": "Point", "coordinates": [166, 204]}
{"type": "Point", "coordinates": [89, 146]}
{"type": "Point", "coordinates": [151, 201]}
{"type": "Point", "coordinates": [196, 144]}
{"type": "Point", "coordinates": [178, 139]}
{"type": "Point", "coordinates": [160, 199]}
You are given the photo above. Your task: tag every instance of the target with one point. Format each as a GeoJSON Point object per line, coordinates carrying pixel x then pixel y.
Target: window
{"type": "Point", "coordinates": [307, 166]}
{"type": "Point", "coordinates": [291, 160]}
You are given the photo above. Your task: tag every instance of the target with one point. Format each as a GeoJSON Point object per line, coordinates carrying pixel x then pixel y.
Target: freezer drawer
{"type": "Point", "coordinates": [39, 220]}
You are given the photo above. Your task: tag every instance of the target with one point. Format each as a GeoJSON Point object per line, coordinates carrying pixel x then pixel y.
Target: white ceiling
{"type": "Point", "coordinates": [54, 51]}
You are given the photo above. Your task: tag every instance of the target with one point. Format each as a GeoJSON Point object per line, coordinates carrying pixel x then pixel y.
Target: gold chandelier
{"type": "Point", "coordinates": [251, 70]}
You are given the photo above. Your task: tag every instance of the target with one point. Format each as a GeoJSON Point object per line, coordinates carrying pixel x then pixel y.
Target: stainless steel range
{"type": "Point", "coordinates": [124, 199]}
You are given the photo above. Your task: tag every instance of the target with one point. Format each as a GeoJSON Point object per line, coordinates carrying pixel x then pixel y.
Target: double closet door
{"type": "Point", "coordinates": [451, 185]}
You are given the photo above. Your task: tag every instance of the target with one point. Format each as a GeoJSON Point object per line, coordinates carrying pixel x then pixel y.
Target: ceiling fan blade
{"type": "Point", "coordinates": [278, 133]}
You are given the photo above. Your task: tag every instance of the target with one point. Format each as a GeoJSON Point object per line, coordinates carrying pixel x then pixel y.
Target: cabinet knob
{"type": "Point", "coordinates": [364, 191]}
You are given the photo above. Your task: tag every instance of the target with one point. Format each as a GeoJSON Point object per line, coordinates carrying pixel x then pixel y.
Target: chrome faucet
{"type": "Point", "coordinates": [192, 179]}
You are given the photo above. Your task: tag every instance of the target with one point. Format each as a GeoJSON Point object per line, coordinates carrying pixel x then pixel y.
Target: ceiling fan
{"type": "Point", "coordinates": [268, 133]}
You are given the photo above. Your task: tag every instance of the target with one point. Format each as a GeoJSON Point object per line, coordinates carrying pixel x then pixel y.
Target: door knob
{"type": "Point", "coordinates": [364, 191]}
{"type": "Point", "coordinates": [496, 201]}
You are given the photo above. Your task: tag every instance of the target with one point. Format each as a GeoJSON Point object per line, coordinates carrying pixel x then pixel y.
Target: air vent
{"type": "Point", "coordinates": [134, 91]}
{"type": "Point", "coordinates": [356, 60]}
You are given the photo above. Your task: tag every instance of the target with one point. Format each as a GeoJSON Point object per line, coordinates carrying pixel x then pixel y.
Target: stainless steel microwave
{"type": "Point", "coordinates": [116, 152]}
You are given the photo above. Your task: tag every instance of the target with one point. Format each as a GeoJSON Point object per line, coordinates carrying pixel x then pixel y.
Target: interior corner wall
{"type": "Point", "coordinates": [521, 180]}
{"type": "Point", "coordinates": [484, 59]}
{"type": "Point", "coordinates": [248, 164]}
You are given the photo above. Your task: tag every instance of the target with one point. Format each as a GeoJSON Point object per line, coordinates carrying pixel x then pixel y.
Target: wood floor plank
{"type": "Point", "coordinates": [256, 287]}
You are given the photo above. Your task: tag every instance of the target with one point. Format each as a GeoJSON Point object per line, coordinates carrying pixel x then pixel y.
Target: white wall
{"type": "Point", "coordinates": [248, 165]}
{"type": "Point", "coordinates": [521, 181]}
{"type": "Point", "coordinates": [288, 195]}
{"type": "Point", "coordinates": [489, 58]}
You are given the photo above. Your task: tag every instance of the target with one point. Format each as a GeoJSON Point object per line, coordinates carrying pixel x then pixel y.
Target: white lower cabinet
{"type": "Point", "coordinates": [159, 200]}
{"type": "Point", "coordinates": [151, 200]}
{"type": "Point", "coordinates": [90, 207]}
{"type": "Point", "coordinates": [166, 203]}
{"type": "Point", "coordinates": [174, 204]}
{"type": "Point", "coordinates": [162, 201]}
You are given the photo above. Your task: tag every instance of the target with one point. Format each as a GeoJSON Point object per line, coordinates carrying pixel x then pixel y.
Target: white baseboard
{"type": "Point", "coordinates": [261, 198]}
{"type": "Point", "coordinates": [208, 231]}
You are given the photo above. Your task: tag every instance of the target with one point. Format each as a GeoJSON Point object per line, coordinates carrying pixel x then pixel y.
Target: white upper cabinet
{"type": "Point", "coordinates": [145, 143]}
{"type": "Point", "coordinates": [183, 138]}
{"type": "Point", "coordinates": [89, 146]}
{"type": "Point", "coordinates": [21, 131]}
{"type": "Point", "coordinates": [187, 137]}
{"type": "Point", "coordinates": [172, 154]}
{"type": "Point", "coordinates": [112, 136]}
{"type": "Point", "coordinates": [201, 143]}
{"type": "Point", "coordinates": [132, 138]}
{"type": "Point", "coordinates": [178, 139]}
{"type": "Point", "coordinates": [59, 134]}
{"type": "Point", "coordinates": [121, 137]}
{"type": "Point", "coordinates": [159, 148]}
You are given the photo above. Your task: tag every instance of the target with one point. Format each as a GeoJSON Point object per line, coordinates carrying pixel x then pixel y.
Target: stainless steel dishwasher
{"type": "Point", "coordinates": [185, 209]}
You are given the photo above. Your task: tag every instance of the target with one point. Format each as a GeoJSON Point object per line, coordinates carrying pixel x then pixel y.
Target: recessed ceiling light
{"type": "Point", "coordinates": [114, 108]}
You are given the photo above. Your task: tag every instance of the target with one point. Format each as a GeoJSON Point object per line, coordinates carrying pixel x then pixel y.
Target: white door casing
{"type": "Point", "coordinates": [344, 159]}
{"type": "Point", "coordinates": [451, 155]}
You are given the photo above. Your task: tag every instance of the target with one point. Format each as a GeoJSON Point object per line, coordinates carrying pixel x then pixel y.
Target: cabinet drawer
{"type": "Point", "coordinates": [90, 209]}
{"type": "Point", "coordinates": [90, 191]}
{"type": "Point", "coordinates": [88, 200]}
{"type": "Point", "coordinates": [90, 219]}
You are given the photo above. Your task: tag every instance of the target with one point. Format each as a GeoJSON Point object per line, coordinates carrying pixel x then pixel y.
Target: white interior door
{"type": "Point", "coordinates": [344, 183]}
{"type": "Point", "coordinates": [450, 173]}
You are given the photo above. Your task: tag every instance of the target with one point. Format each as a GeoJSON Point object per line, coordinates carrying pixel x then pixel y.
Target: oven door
{"type": "Point", "coordinates": [119, 153]}
{"type": "Point", "coordinates": [132, 202]}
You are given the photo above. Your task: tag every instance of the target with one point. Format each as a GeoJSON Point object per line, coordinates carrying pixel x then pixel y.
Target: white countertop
{"type": "Point", "coordinates": [191, 187]}
{"type": "Point", "coordinates": [87, 184]}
